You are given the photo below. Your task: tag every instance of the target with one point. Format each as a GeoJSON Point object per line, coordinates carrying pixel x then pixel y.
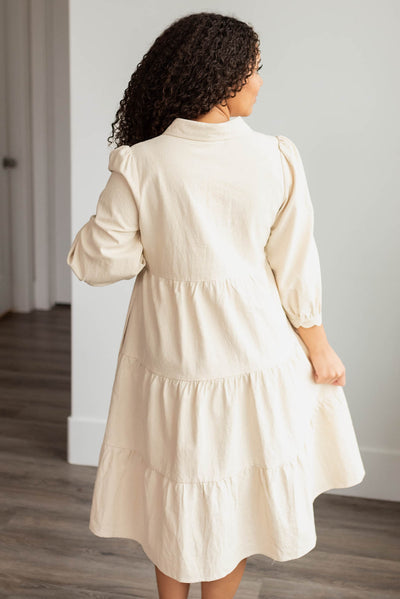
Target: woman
{"type": "Point", "coordinates": [227, 416]}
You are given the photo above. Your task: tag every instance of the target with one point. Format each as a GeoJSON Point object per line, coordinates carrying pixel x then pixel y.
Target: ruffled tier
{"type": "Point", "coordinates": [207, 329]}
{"type": "Point", "coordinates": [225, 468]}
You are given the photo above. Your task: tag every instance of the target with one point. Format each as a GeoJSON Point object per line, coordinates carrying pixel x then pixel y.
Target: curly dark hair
{"type": "Point", "coordinates": [199, 61]}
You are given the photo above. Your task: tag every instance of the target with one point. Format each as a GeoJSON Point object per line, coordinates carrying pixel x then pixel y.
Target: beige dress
{"type": "Point", "coordinates": [218, 439]}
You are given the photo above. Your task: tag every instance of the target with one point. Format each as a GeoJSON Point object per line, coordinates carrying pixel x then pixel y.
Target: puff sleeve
{"type": "Point", "coordinates": [291, 248]}
{"type": "Point", "coordinates": [108, 247]}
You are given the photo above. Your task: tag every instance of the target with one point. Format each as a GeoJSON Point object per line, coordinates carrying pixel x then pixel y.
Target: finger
{"type": "Point", "coordinates": [333, 380]}
{"type": "Point", "coordinates": [341, 380]}
{"type": "Point", "coordinates": [323, 379]}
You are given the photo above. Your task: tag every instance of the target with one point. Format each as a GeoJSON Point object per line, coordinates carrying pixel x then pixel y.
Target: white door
{"type": "Point", "coordinates": [5, 241]}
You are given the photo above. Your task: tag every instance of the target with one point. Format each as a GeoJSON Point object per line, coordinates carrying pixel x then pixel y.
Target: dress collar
{"type": "Point", "coordinates": [199, 130]}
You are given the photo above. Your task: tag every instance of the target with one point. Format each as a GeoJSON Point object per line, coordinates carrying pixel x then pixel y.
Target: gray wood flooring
{"type": "Point", "coordinates": [46, 548]}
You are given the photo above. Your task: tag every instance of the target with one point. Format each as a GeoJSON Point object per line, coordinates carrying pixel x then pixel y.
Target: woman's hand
{"type": "Point", "coordinates": [328, 367]}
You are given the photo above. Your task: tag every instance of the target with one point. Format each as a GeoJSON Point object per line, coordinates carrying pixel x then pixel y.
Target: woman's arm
{"type": "Point", "coordinates": [108, 247]}
{"type": "Point", "coordinates": [328, 367]}
{"type": "Point", "coordinates": [292, 253]}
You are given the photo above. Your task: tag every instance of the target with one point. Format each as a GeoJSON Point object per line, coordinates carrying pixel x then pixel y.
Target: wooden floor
{"type": "Point", "coordinates": [46, 548]}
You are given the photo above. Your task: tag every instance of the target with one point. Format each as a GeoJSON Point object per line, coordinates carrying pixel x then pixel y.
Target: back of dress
{"type": "Point", "coordinates": [194, 207]}
{"type": "Point", "coordinates": [207, 195]}
{"type": "Point", "coordinates": [218, 438]}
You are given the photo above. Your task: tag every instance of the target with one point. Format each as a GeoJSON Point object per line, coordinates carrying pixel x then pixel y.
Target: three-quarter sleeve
{"type": "Point", "coordinates": [108, 247]}
{"type": "Point", "coordinates": [291, 249]}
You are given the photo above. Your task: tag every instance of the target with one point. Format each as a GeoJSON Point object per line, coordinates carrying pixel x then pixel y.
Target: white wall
{"type": "Point", "coordinates": [329, 85]}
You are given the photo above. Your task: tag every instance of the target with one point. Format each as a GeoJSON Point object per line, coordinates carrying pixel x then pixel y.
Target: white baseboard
{"type": "Point", "coordinates": [382, 479]}
{"type": "Point", "coordinates": [85, 437]}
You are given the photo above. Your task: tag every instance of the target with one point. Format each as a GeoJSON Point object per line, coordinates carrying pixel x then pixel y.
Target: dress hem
{"type": "Point", "coordinates": [104, 533]}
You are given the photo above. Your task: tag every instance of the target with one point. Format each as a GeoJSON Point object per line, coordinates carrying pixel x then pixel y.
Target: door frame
{"type": "Point", "coordinates": [29, 100]}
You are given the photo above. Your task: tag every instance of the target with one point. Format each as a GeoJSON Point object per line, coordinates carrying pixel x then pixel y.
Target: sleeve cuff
{"type": "Point", "coordinates": [305, 321]}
